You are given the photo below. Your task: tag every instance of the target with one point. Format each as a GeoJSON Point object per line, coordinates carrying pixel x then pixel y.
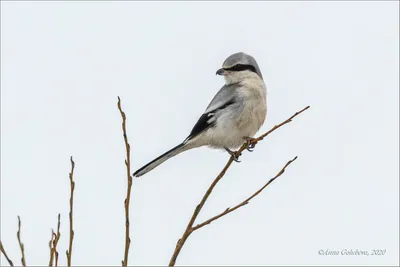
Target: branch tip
{"type": "Point", "coordinates": [71, 210]}
{"type": "Point", "coordinates": [21, 245]}
{"type": "Point", "coordinates": [129, 182]}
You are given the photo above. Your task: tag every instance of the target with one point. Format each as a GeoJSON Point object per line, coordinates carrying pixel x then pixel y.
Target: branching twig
{"type": "Point", "coordinates": [56, 240]}
{"type": "Point", "coordinates": [53, 244]}
{"type": "Point", "coordinates": [71, 209]}
{"type": "Point", "coordinates": [190, 228]}
{"type": "Point", "coordinates": [245, 202]}
{"type": "Point", "coordinates": [281, 124]}
{"type": "Point", "coordinates": [21, 245]}
{"type": "Point", "coordinates": [5, 254]}
{"type": "Point", "coordinates": [128, 193]}
{"type": "Point", "coordinates": [53, 235]}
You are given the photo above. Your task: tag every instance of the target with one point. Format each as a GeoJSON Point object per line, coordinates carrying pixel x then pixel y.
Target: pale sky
{"type": "Point", "coordinates": [63, 64]}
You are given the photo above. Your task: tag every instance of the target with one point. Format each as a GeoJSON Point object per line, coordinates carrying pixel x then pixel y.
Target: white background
{"type": "Point", "coordinates": [63, 64]}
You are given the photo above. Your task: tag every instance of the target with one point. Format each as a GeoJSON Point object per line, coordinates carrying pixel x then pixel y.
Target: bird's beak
{"type": "Point", "coordinates": [220, 72]}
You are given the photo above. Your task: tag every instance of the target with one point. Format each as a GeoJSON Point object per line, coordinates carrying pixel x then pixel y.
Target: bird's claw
{"type": "Point", "coordinates": [234, 154]}
{"type": "Point", "coordinates": [235, 157]}
{"type": "Point", "coordinates": [250, 147]}
{"type": "Point", "coordinates": [250, 143]}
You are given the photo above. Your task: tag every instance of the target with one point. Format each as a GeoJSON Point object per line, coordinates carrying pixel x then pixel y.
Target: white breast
{"type": "Point", "coordinates": [255, 107]}
{"type": "Point", "coordinates": [242, 120]}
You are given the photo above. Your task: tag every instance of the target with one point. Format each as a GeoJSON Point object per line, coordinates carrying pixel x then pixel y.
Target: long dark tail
{"type": "Point", "coordinates": [167, 155]}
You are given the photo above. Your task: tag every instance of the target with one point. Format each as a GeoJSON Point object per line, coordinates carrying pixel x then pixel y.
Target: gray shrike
{"type": "Point", "coordinates": [234, 115]}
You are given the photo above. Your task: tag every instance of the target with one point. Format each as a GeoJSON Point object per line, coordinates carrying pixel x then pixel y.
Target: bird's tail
{"type": "Point", "coordinates": [167, 155]}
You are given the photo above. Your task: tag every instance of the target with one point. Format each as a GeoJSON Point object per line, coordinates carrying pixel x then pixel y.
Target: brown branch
{"type": "Point", "coordinates": [53, 235]}
{"type": "Point", "coordinates": [71, 209]}
{"type": "Point", "coordinates": [245, 202]}
{"type": "Point", "coordinates": [281, 124]}
{"type": "Point", "coordinates": [53, 244]}
{"type": "Point", "coordinates": [196, 212]}
{"type": "Point", "coordinates": [21, 245]}
{"type": "Point", "coordinates": [5, 254]}
{"type": "Point", "coordinates": [128, 192]}
{"type": "Point", "coordinates": [56, 240]}
{"type": "Point", "coordinates": [189, 228]}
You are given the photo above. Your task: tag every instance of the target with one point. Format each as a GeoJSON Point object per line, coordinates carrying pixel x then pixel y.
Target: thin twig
{"type": "Point", "coordinates": [53, 244]}
{"type": "Point", "coordinates": [21, 245]}
{"type": "Point", "coordinates": [5, 254]}
{"type": "Point", "coordinates": [128, 192]}
{"type": "Point", "coordinates": [71, 209]}
{"type": "Point", "coordinates": [281, 124]}
{"type": "Point", "coordinates": [189, 227]}
{"type": "Point", "coordinates": [245, 202]}
{"type": "Point", "coordinates": [53, 235]}
{"type": "Point", "coordinates": [196, 212]}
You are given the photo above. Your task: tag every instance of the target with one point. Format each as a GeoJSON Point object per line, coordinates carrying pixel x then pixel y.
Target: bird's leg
{"type": "Point", "coordinates": [250, 143]}
{"type": "Point", "coordinates": [233, 154]}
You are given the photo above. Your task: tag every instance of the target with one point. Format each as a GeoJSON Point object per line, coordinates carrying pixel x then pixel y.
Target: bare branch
{"type": "Point", "coordinates": [245, 202]}
{"type": "Point", "coordinates": [21, 245]}
{"type": "Point", "coordinates": [71, 210]}
{"type": "Point", "coordinates": [129, 178]}
{"type": "Point", "coordinates": [5, 254]}
{"type": "Point", "coordinates": [53, 244]}
{"type": "Point", "coordinates": [281, 124]}
{"type": "Point", "coordinates": [196, 212]}
{"type": "Point", "coordinates": [57, 239]}
{"type": "Point", "coordinates": [190, 228]}
{"type": "Point", "coordinates": [51, 248]}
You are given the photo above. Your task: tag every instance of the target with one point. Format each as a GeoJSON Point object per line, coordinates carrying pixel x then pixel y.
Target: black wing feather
{"type": "Point", "coordinates": [203, 124]}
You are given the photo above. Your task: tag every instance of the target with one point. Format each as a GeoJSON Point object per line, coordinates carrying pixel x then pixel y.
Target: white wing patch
{"type": "Point", "coordinates": [211, 120]}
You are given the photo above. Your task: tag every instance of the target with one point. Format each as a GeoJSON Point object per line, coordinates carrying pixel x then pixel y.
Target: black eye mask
{"type": "Point", "coordinates": [241, 67]}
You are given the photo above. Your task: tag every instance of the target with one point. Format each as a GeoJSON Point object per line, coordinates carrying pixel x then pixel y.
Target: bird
{"type": "Point", "coordinates": [233, 116]}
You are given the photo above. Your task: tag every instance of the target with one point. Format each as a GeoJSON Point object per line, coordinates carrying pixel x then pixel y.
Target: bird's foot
{"type": "Point", "coordinates": [250, 143]}
{"type": "Point", "coordinates": [234, 154]}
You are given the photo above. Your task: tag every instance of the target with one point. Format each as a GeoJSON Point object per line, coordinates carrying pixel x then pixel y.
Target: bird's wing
{"type": "Point", "coordinates": [225, 97]}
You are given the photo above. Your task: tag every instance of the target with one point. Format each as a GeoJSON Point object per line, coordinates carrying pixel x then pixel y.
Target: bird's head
{"type": "Point", "coordinates": [238, 67]}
